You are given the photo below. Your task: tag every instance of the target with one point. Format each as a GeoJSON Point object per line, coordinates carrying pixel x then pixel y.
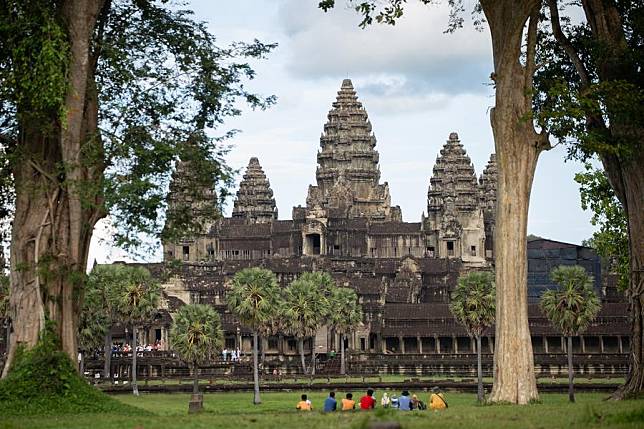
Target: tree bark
{"type": "Point", "coordinates": [195, 378]}
{"type": "Point", "coordinates": [571, 372]}
{"type": "Point", "coordinates": [300, 345]}
{"type": "Point", "coordinates": [256, 399]}
{"type": "Point", "coordinates": [107, 351]}
{"type": "Point", "coordinates": [479, 370]}
{"type": "Point", "coordinates": [518, 146]}
{"type": "Point", "coordinates": [343, 368]}
{"type": "Point", "coordinates": [313, 356]}
{"type": "Point", "coordinates": [52, 230]}
{"type": "Point", "coordinates": [135, 387]}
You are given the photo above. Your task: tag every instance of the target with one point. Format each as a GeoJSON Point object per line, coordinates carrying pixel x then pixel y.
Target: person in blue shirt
{"type": "Point", "coordinates": [330, 403]}
{"type": "Point", "coordinates": [404, 401]}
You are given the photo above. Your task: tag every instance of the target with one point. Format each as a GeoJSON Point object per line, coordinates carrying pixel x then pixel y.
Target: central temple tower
{"type": "Point", "coordinates": [348, 173]}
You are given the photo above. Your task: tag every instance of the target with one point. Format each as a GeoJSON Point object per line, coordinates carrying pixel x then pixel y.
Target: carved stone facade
{"type": "Point", "coordinates": [403, 272]}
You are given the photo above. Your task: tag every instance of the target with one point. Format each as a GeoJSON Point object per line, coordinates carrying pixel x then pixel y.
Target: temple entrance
{"type": "Point", "coordinates": [313, 244]}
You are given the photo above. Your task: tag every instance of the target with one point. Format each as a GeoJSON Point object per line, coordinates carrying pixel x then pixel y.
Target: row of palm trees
{"type": "Point", "coordinates": [301, 309]}
{"type": "Point", "coordinates": [129, 295]}
{"type": "Point", "coordinates": [570, 308]}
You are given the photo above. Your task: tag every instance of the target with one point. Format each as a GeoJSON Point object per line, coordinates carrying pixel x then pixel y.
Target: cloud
{"type": "Point", "coordinates": [332, 44]}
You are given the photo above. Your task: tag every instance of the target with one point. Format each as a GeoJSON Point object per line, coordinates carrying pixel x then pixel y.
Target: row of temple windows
{"type": "Point", "coordinates": [314, 246]}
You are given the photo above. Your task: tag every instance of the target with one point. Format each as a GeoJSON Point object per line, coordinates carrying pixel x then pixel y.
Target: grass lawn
{"type": "Point", "coordinates": [235, 410]}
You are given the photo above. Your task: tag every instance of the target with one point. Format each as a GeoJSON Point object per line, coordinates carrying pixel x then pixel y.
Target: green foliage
{"type": "Point", "coordinates": [34, 66]}
{"type": "Point", "coordinates": [346, 312]}
{"type": "Point", "coordinates": [306, 306]}
{"type": "Point", "coordinates": [574, 305]}
{"type": "Point", "coordinates": [164, 88]}
{"type": "Point", "coordinates": [473, 302]}
{"type": "Point", "coordinates": [611, 241]}
{"type": "Point", "coordinates": [196, 333]}
{"type": "Point", "coordinates": [139, 299]}
{"type": "Point", "coordinates": [595, 116]}
{"type": "Point", "coordinates": [254, 297]}
{"type": "Point", "coordinates": [44, 381]}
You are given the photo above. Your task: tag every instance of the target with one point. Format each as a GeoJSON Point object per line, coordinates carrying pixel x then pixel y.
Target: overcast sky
{"type": "Point", "coordinates": [417, 84]}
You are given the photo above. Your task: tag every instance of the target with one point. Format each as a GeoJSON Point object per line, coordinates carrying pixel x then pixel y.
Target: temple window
{"type": "Point", "coordinates": [450, 248]}
{"type": "Point", "coordinates": [186, 253]}
{"type": "Point", "coordinates": [431, 251]}
{"type": "Point", "coordinates": [473, 250]}
{"type": "Point", "coordinates": [313, 244]}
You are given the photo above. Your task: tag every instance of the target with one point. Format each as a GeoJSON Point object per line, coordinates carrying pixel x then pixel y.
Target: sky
{"type": "Point", "coordinates": [417, 84]}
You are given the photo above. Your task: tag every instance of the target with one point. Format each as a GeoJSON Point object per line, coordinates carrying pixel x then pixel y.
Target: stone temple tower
{"type": "Point", "coordinates": [192, 209]}
{"type": "Point", "coordinates": [487, 189]}
{"type": "Point", "coordinates": [348, 173]}
{"type": "Point", "coordinates": [255, 200]}
{"type": "Point", "coordinates": [454, 214]}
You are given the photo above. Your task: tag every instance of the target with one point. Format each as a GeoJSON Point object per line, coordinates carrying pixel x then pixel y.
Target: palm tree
{"type": "Point", "coordinates": [570, 308]}
{"type": "Point", "coordinates": [346, 314]}
{"type": "Point", "coordinates": [197, 336]}
{"type": "Point", "coordinates": [306, 310]}
{"type": "Point", "coordinates": [473, 304]}
{"type": "Point", "coordinates": [253, 299]}
{"type": "Point", "coordinates": [138, 302]}
{"type": "Point", "coordinates": [104, 289]}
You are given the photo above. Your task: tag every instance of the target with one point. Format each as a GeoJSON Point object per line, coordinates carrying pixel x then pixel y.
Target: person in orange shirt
{"type": "Point", "coordinates": [437, 400]}
{"type": "Point", "coordinates": [348, 403]}
{"type": "Point", "coordinates": [304, 404]}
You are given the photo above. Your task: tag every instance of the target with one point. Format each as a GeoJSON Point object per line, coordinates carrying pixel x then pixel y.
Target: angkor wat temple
{"type": "Point", "coordinates": [403, 272]}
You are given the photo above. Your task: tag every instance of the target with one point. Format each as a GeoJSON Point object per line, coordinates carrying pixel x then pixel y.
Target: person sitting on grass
{"type": "Point", "coordinates": [385, 400]}
{"type": "Point", "coordinates": [404, 401]}
{"type": "Point", "coordinates": [394, 401]}
{"type": "Point", "coordinates": [304, 404]}
{"type": "Point", "coordinates": [437, 400]}
{"type": "Point", "coordinates": [348, 404]}
{"type": "Point", "coordinates": [367, 402]}
{"type": "Point", "coordinates": [417, 404]}
{"type": "Point", "coordinates": [330, 404]}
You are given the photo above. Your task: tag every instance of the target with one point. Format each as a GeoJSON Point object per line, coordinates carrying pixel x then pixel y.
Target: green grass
{"type": "Point", "coordinates": [227, 410]}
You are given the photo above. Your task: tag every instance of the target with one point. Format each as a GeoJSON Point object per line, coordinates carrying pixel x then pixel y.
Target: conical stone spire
{"type": "Point", "coordinates": [192, 203]}
{"type": "Point", "coordinates": [255, 200]}
{"type": "Point", "coordinates": [348, 174]}
{"type": "Point", "coordinates": [488, 185]}
{"type": "Point", "coordinates": [454, 181]}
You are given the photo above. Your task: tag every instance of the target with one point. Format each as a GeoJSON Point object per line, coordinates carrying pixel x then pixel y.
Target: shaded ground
{"type": "Point", "coordinates": [225, 410]}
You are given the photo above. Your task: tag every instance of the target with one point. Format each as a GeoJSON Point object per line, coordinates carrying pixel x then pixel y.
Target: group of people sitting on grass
{"type": "Point", "coordinates": [404, 402]}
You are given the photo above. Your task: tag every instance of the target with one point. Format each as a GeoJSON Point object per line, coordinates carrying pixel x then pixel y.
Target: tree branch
{"type": "Point", "coordinates": [566, 45]}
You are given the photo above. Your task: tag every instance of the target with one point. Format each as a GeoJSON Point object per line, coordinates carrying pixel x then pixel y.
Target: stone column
{"type": "Point", "coordinates": [491, 344]}
{"type": "Point", "coordinates": [437, 342]}
{"type": "Point", "coordinates": [563, 344]}
{"type": "Point", "coordinates": [601, 343]}
{"type": "Point", "coordinates": [619, 342]}
{"type": "Point", "coordinates": [582, 342]}
{"type": "Point", "coordinates": [420, 345]}
{"type": "Point", "coordinates": [401, 345]}
{"type": "Point", "coordinates": [455, 344]}
{"type": "Point", "coordinates": [545, 344]}
{"type": "Point", "coordinates": [473, 344]}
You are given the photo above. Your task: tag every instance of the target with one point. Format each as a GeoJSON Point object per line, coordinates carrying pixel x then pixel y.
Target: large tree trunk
{"type": "Point", "coordinates": [343, 368]}
{"type": "Point", "coordinates": [479, 370]}
{"type": "Point", "coordinates": [256, 399]}
{"type": "Point", "coordinates": [300, 345]}
{"type": "Point", "coordinates": [571, 372]}
{"type": "Point", "coordinates": [517, 150]}
{"type": "Point", "coordinates": [627, 176]}
{"type": "Point", "coordinates": [52, 230]}
{"type": "Point", "coordinates": [107, 351]}
{"type": "Point", "coordinates": [135, 387]}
